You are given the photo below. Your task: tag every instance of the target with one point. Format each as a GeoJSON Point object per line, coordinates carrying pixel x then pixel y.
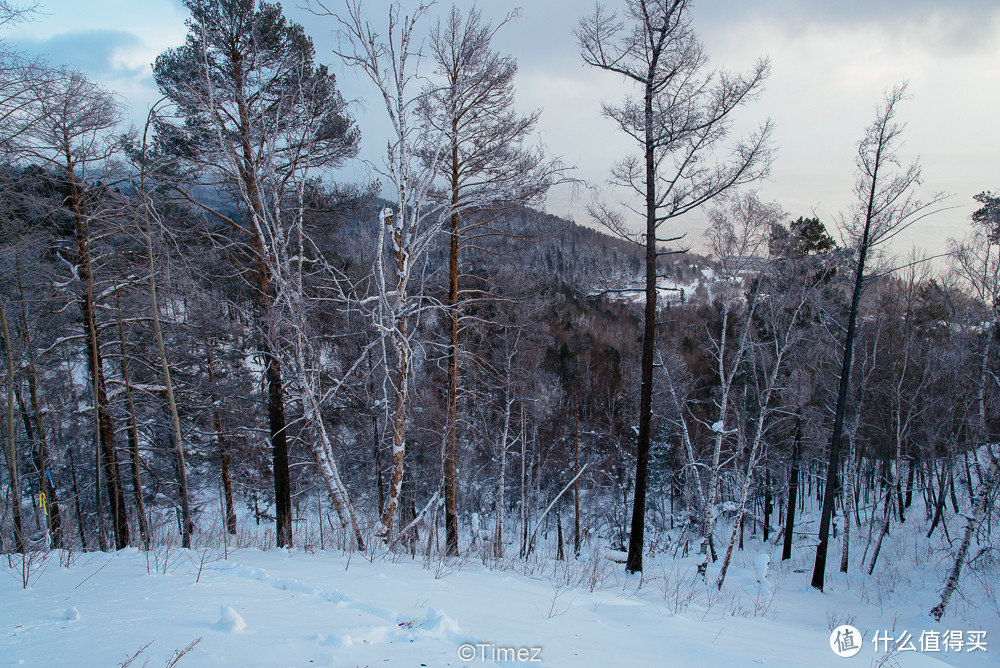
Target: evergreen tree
{"type": "Point", "coordinates": [255, 116]}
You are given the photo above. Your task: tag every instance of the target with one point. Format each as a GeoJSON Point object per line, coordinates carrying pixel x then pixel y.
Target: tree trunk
{"type": "Point", "coordinates": [793, 491]}
{"type": "Point", "coordinates": [10, 451]}
{"type": "Point", "coordinates": [887, 518]}
{"type": "Point", "coordinates": [105, 429]}
{"type": "Point", "coordinates": [939, 499]}
{"type": "Point", "coordinates": [41, 451]}
{"type": "Point", "coordinates": [633, 562]}
{"type": "Point", "coordinates": [398, 429]}
{"type": "Point", "coordinates": [220, 439]}
{"type": "Point", "coordinates": [105, 434]}
{"type": "Point", "coordinates": [576, 472]}
{"type": "Point", "coordinates": [104, 437]}
{"type": "Point", "coordinates": [402, 350]}
{"type": "Point", "coordinates": [498, 545]}
{"type": "Point", "coordinates": [848, 502]}
{"type": "Point", "coordinates": [175, 421]}
{"type": "Point", "coordinates": [978, 512]}
{"type": "Point", "coordinates": [266, 346]}
{"type": "Point", "coordinates": [279, 448]}
{"type": "Point", "coordinates": [753, 458]}
{"type": "Point", "coordinates": [377, 462]}
{"type": "Point", "coordinates": [75, 489]}
{"type": "Point", "coordinates": [133, 440]}
{"type": "Point", "coordinates": [912, 463]}
{"type": "Point", "coordinates": [692, 477]}
{"type": "Point", "coordinates": [768, 504]}
{"type": "Point", "coordinates": [707, 547]}
{"type": "Point", "coordinates": [560, 552]}
{"type": "Point", "coordinates": [524, 492]}
{"type": "Point", "coordinates": [322, 452]}
{"type": "Point", "coordinates": [830, 489]}
{"type": "Point", "coordinates": [451, 424]}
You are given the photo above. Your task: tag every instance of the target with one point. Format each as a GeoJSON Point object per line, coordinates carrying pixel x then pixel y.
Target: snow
{"type": "Point", "coordinates": [305, 607]}
{"type": "Point", "coordinates": [230, 621]}
{"type": "Point", "coordinates": [761, 563]}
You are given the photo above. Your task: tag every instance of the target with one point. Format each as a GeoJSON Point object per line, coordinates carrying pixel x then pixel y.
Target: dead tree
{"type": "Point", "coordinates": [487, 169]}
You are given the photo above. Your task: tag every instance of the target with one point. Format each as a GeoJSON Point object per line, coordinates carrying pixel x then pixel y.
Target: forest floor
{"type": "Point", "coordinates": [309, 607]}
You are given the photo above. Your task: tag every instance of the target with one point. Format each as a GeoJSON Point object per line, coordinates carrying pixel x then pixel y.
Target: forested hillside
{"type": "Point", "coordinates": [205, 336]}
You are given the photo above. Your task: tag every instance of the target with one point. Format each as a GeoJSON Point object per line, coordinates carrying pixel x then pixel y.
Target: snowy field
{"type": "Point", "coordinates": [304, 607]}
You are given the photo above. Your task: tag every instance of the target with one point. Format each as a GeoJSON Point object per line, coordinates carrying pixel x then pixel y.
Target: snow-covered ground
{"type": "Point", "coordinates": [669, 290]}
{"type": "Point", "coordinates": [247, 607]}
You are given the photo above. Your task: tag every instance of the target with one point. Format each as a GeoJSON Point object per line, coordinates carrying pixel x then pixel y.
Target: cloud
{"type": "Point", "coordinates": [958, 27]}
{"type": "Point", "coordinates": [116, 59]}
{"type": "Point", "coordinates": [102, 54]}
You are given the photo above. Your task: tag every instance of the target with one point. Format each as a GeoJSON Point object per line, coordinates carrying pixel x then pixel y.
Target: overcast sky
{"type": "Point", "coordinates": [830, 63]}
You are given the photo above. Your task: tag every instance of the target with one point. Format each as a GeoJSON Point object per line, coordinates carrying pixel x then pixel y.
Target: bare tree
{"type": "Point", "coordinates": [410, 166]}
{"type": "Point", "coordinates": [978, 263]}
{"type": "Point", "coordinates": [737, 236]}
{"type": "Point", "coordinates": [885, 205]}
{"type": "Point", "coordinates": [12, 14]}
{"type": "Point", "coordinates": [145, 213]}
{"type": "Point", "coordinates": [74, 135]}
{"type": "Point", "coordinates": [18, 78]}
{"type": "Point", "coordinates": [487, 169]}
{"type": "Point", "coordinates": [979, 509]}
{"type": "Point", "coordinates": [680, 124]}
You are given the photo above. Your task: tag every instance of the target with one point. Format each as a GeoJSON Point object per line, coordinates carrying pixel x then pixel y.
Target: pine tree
{"type": "Point", "coordinates": [255, 115]}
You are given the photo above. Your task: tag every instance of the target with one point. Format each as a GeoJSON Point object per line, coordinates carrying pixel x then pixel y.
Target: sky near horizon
{"type": "Point", "coordinates": [830, 64]}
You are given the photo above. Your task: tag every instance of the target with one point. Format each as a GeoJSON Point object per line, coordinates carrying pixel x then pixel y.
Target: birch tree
{"type": "Point", "coordinates": [977, 258]}
{"type": "Point", "coordinates": [410, 166]}
{"type": "Point", "coordinates": [769, 359]}
{"type": "Point", "coordinates": [738, 237]}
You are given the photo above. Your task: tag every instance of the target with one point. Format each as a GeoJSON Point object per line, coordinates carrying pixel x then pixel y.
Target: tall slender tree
{"type": "Point", "coordinates": [680, 122]}
{"type": "Point", "coordinates": [10, 443]}
{"type": "Point", "coordinates": [978, 261]}
{"type": "Point", "coordinates": [487, 169]}
{"type": "Point", "coordinates": [390, 61]}
{"type": "Point", "coordinates": [74, 135]}
{"type": "Point", "coordinates": [885, 205]}
{"type": "Point", "coordinates": [144, 215]}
